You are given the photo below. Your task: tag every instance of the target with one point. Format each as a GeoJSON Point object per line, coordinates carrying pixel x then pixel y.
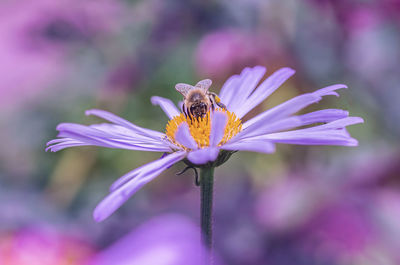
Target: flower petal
{"type": "Point", "coordinates": [218, 123]}
{"type": "Point", "coordinates": [120, 195]}
{"type": "Point", "coordinates": [327, 115]}
{"type": "Point", "coordinates": [130, 175]}
{"type": "Point", "coordinates": [250, 77]}
{"type": "Point", "coordinates": [203, 156]}
{"type": "Point", "coordinates": [124, 133]}
{"type": "Point", "coordinates": [166, 105]}
{"type": "Point", "coordinates": [330, 90]}
{"type": "Point", "coordinates": [282, 110]}
{"type": "Point", "coordinates": [250, 83]}
{"type": "Point", "coordinates": [260, 146]}
{"type": "Point", "coordinates": [106, 137]}
{"type": "Point", "coordinates": [59, 144]}
{"type": "Point", "coordinates": [120, 121]}
{"type": "Point", "coordinates": [337, 124]}
{"type": "Point", "coordinates": [332, 133]}
{"type": "Point", "coordinates": [331, 137]}
{"type": "Point", "coordinates": [266, 88]}
{"type": "Point", "coordinates": [289, 107]}
{"type": "Point", "coordinates": [184, 137]}
{"type": "Point", "coordinates": [228, 88]}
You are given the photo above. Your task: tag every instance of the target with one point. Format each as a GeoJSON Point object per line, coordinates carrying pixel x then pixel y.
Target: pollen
{"type": "Point", "coordinates": [200, 128]}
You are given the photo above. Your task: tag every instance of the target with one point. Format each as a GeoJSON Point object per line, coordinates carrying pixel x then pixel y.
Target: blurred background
{"type": "Point", "coordinates": [302, 205]}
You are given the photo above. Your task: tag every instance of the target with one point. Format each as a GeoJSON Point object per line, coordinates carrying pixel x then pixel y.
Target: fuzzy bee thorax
{"type": "Point", "coordinates": [196, 95]}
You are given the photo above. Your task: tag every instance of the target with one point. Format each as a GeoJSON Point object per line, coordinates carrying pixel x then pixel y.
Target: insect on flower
{"type": "Point", "coordinates": [197, 99]}
{"type": "Point", "coordinates": [215, 133]}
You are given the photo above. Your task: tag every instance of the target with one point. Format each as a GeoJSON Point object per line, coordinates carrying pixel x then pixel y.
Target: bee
{"type": "Point", "coordinates": [197, 100]}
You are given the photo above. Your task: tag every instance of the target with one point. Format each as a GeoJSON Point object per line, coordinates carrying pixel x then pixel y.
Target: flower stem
{"type": "Point", "coordinates": [206, 185]}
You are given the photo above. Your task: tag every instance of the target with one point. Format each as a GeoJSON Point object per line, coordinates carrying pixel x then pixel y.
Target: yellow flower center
{"type": "Point", "coordinates": [200, 128]}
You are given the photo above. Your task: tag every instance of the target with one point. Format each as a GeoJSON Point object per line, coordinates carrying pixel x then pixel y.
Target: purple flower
{"type": "Point", "coordinates": [168, 240]}
{"type": "Point", "coordinates": [211, 139]}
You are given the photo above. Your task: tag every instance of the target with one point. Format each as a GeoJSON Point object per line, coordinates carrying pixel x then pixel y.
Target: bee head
{"type": "Point", "coordinates": [198, 109]}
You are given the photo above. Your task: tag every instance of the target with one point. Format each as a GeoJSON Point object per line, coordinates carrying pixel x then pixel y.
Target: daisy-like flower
{"type": "Point", "coordinates": [209, 141]}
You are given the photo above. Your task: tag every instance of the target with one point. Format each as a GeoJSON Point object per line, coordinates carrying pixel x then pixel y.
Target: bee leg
{"type": "Point", "coordinates": [216, 100]}
{"type": "Point", "coordinates": [196, 174]}
{"type": "Point", "coordinates": [184, 109]}
{"type": "Point", "coordinates": [186, 112]}
{"type": "Point", "coordinates": [191, 114]}
{"type": "Point", "coordinates": [212, 99]}
{"type": "Point", "coordinates": [221, 105]}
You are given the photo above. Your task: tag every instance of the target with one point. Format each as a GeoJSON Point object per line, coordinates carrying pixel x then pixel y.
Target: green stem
{"type": "Point", "coordinates": [206, 185]}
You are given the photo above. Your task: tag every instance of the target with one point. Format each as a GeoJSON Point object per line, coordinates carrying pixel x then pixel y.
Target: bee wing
{"type": "Point", "coordinates": [183, 88]}
{"type": "Point", "coordinates": [204, 84]}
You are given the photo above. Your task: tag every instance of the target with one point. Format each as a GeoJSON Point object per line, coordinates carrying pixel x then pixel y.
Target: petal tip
{"type": "Point", "coordinates": [357, 120]}
{"type": "Point", "coordinates": [340, 86]}
{"type": "Point", "coordinates": [97, 217]}
{"type": "Point", "coordinates": [90, 112]}
{"type": "Point", "coordinates": [100, 213]}
{"type": "Point", "coordinates": [289, 70]}
{"type": "Point", "coordinates": [154, 100]}
{"type": "Point", "coordinates": [260, 68]}
{"type": "Point", "coordinates": [352, 142]}
{"type": "Point", "coordinates": [64, 125]}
